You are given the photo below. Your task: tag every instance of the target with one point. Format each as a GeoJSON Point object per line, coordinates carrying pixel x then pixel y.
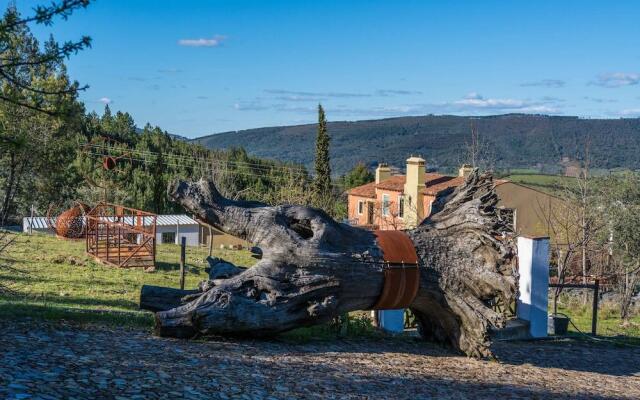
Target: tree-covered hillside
{"type": "Point", "coordinates": [508, 141]}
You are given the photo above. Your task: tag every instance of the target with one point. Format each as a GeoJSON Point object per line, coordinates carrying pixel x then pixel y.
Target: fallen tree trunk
{"type": "Point", "coordinates": [157, 298]}
{"type": "Point", "coordinates": [314, 269]}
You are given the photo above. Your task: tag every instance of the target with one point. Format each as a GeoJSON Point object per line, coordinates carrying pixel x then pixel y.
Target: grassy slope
{"type": "Point", "coordinates": [554, 184]}
{"type": "Point", "coordinates": [55, 279]}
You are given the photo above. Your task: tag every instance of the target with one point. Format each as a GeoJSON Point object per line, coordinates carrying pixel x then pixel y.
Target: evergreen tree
{"type": "Point", "coordinates": [359, 175]}
{"type": "Point", "coordinates": [322, 183]}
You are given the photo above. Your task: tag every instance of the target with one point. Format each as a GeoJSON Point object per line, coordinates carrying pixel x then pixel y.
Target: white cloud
{"type": "Point", "coordinates": [294, 95]}
{"type": "Point", "coordinates": [476, 103]}
{"type": "Point", "coordinates": [202, 42]}
{"type": "Point", "coordinates": [548, 83]}
{"type": "Point", "coordinates": [396, 92]}
{"type": "Point", "coordinates": [250, 106]}
{"type": "Point", "coordinates": [476, 100]}
{"type": "Point", "coordinates": [617, 79]}
{"type": "Point", "coordinates": [629, 112]}
{"type": "Point", "coordinates": [471, 104]}
{"type": "Point", "coordinates": [105, 100]}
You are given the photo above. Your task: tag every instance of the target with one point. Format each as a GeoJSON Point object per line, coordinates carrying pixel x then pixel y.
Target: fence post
{"type": "Point", "coordinates": [31, 221]}
{"type": "Point", "coordinates": [594, 312]}
{"type": "Point", "coordinates": [210, 241]}
{"type": "Point", "coordinates": [183, 245]}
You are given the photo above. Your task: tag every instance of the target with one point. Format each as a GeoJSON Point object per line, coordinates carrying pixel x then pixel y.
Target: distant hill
{"type": "Point", "coordinates": [511, 141]}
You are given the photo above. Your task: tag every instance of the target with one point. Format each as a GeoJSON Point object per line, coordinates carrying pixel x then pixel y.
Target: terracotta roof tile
{"type": "Point", "coordinates": [437, 187]}
{"type": "Point", "coordinates": [366, 190]}
{"type": "Point", "coordinates": [395, 183]}
{"type": "Point", "coordinates": [435, 183]}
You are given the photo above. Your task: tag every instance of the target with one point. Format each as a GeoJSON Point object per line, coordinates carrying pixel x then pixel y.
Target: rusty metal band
{"type": "Point", "coordinates": [401, 272]}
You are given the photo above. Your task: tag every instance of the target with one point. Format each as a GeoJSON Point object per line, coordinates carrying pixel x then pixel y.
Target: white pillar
{"type": "Point", "coordinates": [533, 266]}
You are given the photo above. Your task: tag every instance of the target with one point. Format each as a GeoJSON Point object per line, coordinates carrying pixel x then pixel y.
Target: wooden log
{"type": "Point", "coordinates": [157, 298]}
{"type": "Point", "coordinates": [314, 269]}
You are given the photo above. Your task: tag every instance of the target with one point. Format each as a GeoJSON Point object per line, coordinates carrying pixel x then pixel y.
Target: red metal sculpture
{"type": "Point", "coordinates": [70, 224]}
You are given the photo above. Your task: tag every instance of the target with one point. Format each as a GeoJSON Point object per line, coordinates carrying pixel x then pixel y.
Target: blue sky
{"type": "Point", "coordinates": [200, 67]}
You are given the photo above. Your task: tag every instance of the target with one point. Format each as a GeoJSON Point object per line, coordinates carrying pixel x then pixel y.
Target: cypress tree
{"type": "Point", "coordinates": [323, 169]}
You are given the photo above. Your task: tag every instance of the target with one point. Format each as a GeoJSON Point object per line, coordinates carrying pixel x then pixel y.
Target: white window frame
{"type": "Point", "coordinates": [401, 206]}
{"type": "Point", "coordinates": [360, 209]}
{"type": "Point", "coordinates": [386, 202]}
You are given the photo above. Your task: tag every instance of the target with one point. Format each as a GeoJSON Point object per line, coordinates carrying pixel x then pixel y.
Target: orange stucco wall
{"type": "Point", "coordinates": [389, 222]}
{"type": "Point", "coordinates": [392, 221]}
{"type": "Point", "coordinates": [354, 217]}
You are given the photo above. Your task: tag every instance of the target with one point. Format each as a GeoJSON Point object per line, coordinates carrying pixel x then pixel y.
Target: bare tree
{"type": "Point", "coordinates": [479, 153]}
{"type": "Point", "coordinates": [562, 222]}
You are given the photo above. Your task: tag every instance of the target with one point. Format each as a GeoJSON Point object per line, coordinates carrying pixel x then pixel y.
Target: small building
{"type": "Point", "coordinates": [527, 208]}
{"type": "Point", "coordinates": [403, 201]}
{"type": "Point", "coordinates": [394, 202]}
{"type": "Point", "coordinates": [172, 228]}
{"type": "Point", "coordinates": [169, 229]}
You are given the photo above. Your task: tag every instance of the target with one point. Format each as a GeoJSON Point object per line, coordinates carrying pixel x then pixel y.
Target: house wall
{"type": "Point", "coordinates": [220, 238]}
{"type": "Point", "coordinates": [191, 232]}
{"type": "Point", "coordinates": [354, 217]}
{"type": "Point", "coordinates": [427, 199]}
{"type": "Point", "coordinates": [393, 220]}
{"type": "Point", "coordinates": [531, 207]}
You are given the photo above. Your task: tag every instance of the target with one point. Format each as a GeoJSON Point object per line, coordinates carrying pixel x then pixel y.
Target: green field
{"type": "Point", "coordinates": [553, 184]}
{"type": "Point", "coordinates": [54, 279]}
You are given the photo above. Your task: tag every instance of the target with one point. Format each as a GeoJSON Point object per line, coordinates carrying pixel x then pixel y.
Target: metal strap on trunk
{"type": "Point", "coordinates": [401, 272]}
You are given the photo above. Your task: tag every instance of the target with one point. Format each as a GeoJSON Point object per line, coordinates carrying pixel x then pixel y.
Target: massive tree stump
{"type": "Point", "coordinates": [314, 269]}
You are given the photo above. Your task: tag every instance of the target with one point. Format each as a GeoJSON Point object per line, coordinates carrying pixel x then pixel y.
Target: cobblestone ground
{"type": "Point", "coordinates": [54, 361]}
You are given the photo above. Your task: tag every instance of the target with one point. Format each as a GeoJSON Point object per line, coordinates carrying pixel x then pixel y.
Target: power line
{"type": "Point", "coordinates": [198, 160]}
{"type": "Point", "coordinates": [263, 173]}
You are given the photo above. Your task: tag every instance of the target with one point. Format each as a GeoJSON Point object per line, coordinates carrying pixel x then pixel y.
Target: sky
{"type": "Point", "coordinates": [201, 67]}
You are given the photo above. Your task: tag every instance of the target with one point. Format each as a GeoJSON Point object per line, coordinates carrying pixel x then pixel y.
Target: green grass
{"type": "Point", "coordinates": [609, 323]}
{"type": "Point", "coordinates": [54, 279]}
{"type": "Point", "coordinates": [549, 183]}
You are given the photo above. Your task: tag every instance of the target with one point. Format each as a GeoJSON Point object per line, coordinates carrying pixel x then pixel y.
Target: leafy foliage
{"type": "Point", "coordinates": [359, 175]}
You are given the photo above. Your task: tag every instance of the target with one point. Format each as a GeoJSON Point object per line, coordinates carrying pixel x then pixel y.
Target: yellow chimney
{"type": "Point", "coordinates": [414, 210]}
{"type": "Point", "coordinates": [465, 170]}
{"type": "Point", "coordinates": [383, 172]}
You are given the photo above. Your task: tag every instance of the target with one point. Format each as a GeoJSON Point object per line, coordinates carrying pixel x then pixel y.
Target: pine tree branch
{"type": "Point", "coordinates": [61, 52]}
{"type": "Point", "coordinates": [45, 14]}
{"type": "Point", "coordinates": [21, 85]}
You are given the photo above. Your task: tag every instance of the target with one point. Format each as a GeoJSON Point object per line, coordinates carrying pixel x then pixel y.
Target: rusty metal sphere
{"type": "Point", "coordinates": [70, 223]}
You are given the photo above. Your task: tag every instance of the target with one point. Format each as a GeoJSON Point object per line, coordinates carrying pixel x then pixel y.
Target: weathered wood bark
{"type": "Point", "coordinates": [157, 298]}
{"type": "Point", "coordinates": [313, 268]}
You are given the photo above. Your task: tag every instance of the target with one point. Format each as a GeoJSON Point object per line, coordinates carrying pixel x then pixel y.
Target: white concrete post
{"type": "Point", "coordinates": [533, 266]}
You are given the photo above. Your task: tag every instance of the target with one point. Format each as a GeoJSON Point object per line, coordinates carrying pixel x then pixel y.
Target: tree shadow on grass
{"type": "Point", "coordinates": [167, 266]}
{"type": "Point", "coordinates": [74, 301]}
{"type": "Point", "coordinates": [16, 310]}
